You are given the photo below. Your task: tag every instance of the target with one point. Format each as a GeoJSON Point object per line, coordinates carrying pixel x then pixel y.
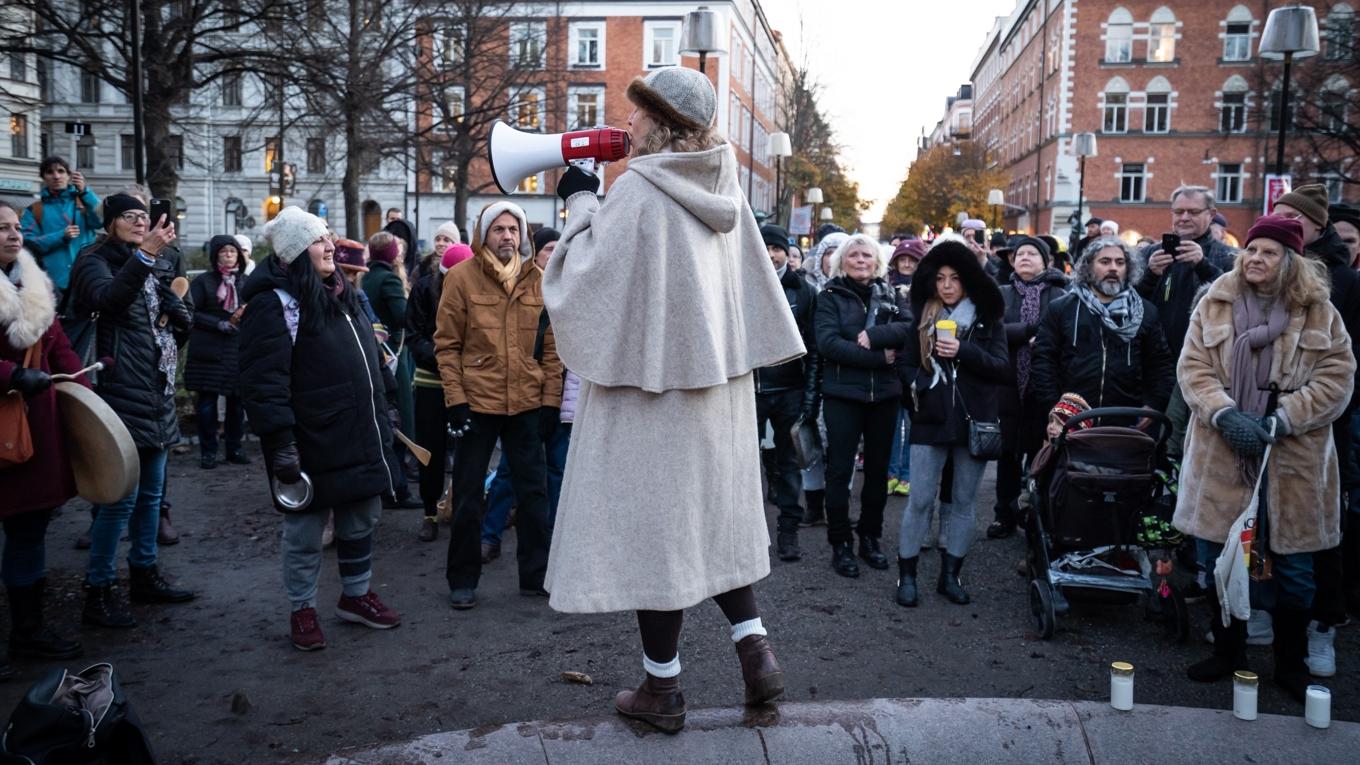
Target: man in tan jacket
{"type": "Point", "coordinates": [502, 379]}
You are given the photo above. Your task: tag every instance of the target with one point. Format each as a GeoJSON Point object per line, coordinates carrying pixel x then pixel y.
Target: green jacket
{"type": "Point", "coordinates": [388, 298]}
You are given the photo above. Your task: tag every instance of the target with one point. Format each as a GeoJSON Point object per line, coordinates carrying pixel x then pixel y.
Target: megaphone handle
{"type": "Point", "coordinates": [587, 164]}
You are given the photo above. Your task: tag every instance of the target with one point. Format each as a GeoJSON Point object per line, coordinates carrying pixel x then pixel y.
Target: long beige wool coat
{"type": "Point", "coordinates": [1315, 368]}
{"type": "Point", "coordinates": [663, 301]}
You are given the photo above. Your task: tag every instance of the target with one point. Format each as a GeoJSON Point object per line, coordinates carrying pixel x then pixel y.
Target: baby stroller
{"type": "Point", "coordinates": [1096, 530]}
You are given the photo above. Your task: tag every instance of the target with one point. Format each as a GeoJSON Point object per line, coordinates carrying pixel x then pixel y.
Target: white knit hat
{"type": "Point", "coordinates": [246, 245]}
{"type": "Point", "coordinates": [292, 231]}
{"type": "Point", "coordinates": [450, 229]}
{"type": "Point", "coordinates": [493, 211]}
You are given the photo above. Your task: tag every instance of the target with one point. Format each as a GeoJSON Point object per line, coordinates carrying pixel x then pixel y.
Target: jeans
{"type": "Point", "coordinates": [958, 516]}
{"type": "Point", "coordinates": [781, 409]}
{"type": "Point", "coordinates": [556, 452]}
{"type": "Point", "coordinates": [431, 433]}
{"type": "Point", "coordinates": [899, 462]}
{"type": "Point", "coordinates": [846, 422]}
{"type": "Point", "coordinates": [523, 448]}
{"type": "Point", "coordinates": [139, 513]}
{"type": "Point", "coordinates": [354, 524]}
{"type": "Point", "coordinates": [1293, 575]}
{"type": "Point", "coordinates": [25, 560]}
{"type": "Point", "coordinates": [234, 424]}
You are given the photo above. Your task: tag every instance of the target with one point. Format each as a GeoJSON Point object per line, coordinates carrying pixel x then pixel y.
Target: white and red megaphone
{"type": "Point", "coordinates": [516, 155]}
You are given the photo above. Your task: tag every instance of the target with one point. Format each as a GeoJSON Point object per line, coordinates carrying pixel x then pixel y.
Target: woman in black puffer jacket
{"type": "Point", "coordinates": [312, 386]}
{"type": "Point", "coordinates": [953, 376]}
{"type": "Point", "coordinates": [860, 328]}
{"type": "Point", "coordinates": [211, 369]}
{"type": "Point", "coordinates": [137, 316]}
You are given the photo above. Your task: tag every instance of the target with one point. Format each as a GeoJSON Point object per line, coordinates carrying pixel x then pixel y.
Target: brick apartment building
{"type": "Point", "coordinates": [589, 54]}
{"type": "Point", "coordinates": [1176, 93]}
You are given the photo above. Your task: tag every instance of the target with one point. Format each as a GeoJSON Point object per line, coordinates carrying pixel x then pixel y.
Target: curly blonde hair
{"type": "Point", "coordinates": [666, 135]}
{"type": "Point", "coordinates": [1302, 280]}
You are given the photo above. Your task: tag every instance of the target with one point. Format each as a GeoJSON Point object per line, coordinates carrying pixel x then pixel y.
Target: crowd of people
{"type": "Point", "coordinates": [365, 367]}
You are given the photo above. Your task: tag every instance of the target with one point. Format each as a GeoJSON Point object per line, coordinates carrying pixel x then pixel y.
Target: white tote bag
{"type": "Point", "coordinates": [1232, 574]}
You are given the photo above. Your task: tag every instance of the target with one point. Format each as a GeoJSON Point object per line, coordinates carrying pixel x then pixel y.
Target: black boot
{"type": "Point", "coordinates": [236, 455]}
{"type": "Point", "coordinates": [949, 585]}
{"type": "Point", "coordinates": [872, 554]}
{"type": "Point", "coordinates": [1230, 648]}
{"type": "Point", "coordinates": [28, 635]}
{"type": "Point", "coordinates": [815, 515]}
{"type": "Point", "coordinates": [1291, 647]}
{"type": "Point", "coordinates": [906, 582]}
{"type": "Point", "coordinates": [148, 586]}
{"type": "Point", "coordinates": [843, 559]}
{"type": "Point", "coordinates": [787, 546]}
{"type": "Point", "coordinates": [207, 459]}
{"type": "Point", "coordinates": [104, 607]}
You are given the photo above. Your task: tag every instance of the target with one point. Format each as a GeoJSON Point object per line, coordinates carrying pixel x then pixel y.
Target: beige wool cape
{"type": "Point", "coordinates": [1313, 364]}
{"type": "Point", "coordinates": [663, 301]}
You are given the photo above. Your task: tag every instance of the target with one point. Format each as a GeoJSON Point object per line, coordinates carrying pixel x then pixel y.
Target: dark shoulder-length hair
{"type": "Point", "coordinates": [320, 300]}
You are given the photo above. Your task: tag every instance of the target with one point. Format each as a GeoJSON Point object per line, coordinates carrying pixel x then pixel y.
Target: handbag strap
{"type": "Point", "coordinates": [33, 356]}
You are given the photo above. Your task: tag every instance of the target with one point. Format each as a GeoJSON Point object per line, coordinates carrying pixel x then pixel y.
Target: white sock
{"type": "Point", "coordinates": [669, 669]}
{"type": "Point", "coordinates": [747, 628]}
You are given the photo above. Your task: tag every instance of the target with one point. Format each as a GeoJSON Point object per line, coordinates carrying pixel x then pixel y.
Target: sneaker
{"type": "Point", "coordinates": [368, 611]}
{"type": "Point", "coordinates": [1321, 659]}
{"type": "Point", "coordinates": [903, 489]}
{"type": "Point", "coordinates": [463, 599]}
{"type": "Point", "coordinates": [892, 485]}
{"type": "Point", "coordinates": [306, 630]}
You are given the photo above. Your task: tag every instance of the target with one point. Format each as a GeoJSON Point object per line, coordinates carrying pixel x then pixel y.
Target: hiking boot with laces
{"type": "Point", "coordinates": [306, 630]}
{"type": "Point", "coordinates": [367, 610]}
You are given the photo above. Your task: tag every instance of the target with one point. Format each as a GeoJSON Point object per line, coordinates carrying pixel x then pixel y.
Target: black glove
{"type": "Point", "coordinates": [576, 180]}
{"type": "Point", "coordinates": [227, 328]}
{"type": "Point", "coordinates": [1244, 433]}
{"type": "Point", "coordinates": [458, 416]}
{"type": "Point", "coordinates": [286, 463]}
{"type": "Point", "coordinates": [812, 405]}
{"type": "Point", "coordinates": [548, 419]}
{"type": "Point", "coordinates": [29, 382]}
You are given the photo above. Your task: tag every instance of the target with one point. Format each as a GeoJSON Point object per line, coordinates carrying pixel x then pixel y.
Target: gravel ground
{"type": "Point", "coordinates": [216, 680]}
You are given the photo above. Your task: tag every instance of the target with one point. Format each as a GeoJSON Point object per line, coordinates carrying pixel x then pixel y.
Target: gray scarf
{"type": "Point", "coordinates": [1122, 316]}
{"type": "Point", "coordinates": [1255, 331]}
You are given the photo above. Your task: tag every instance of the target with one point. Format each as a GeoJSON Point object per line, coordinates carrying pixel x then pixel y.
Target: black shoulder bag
{"type": "Point", "coordinates": [984, 438]}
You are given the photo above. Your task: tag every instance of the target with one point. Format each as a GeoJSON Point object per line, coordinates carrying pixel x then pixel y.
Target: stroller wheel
{"type": "Point", "coordinates": [1041, 606]}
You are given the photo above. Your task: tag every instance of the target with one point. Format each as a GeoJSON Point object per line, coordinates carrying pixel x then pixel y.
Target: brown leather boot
{"type": "Point", "coordinates": [759, 669]}
{"type": "Point", "coordinates": [657, 701]}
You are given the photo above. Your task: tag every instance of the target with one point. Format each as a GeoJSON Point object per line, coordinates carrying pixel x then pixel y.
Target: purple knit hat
{"type": "Point", "coordinates": [1286, 231]}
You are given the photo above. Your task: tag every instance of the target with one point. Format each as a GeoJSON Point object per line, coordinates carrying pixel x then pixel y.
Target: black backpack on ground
{"type": "Point", "coordinates": [67, 718]}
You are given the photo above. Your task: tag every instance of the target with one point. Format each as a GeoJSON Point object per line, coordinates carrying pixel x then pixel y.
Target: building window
{"type": "Point", "coordinates": [450, 46]}
{"type": "Point", "coordinates": [127, 148]}
{"type": "Point", "coordinates": [1157, 113]}
{"type": "Point", "coordinates": [1119, 37]}
{"type": "Point", "coordinates": [1237, 41]}
{"type": "Point", "coordinates": [1233, 117]}
{"type": "Point", "coordinates": [1339, 35]}
{"type": "Point", "coordinates": [1273, 104]}
{"type": "Point", "coordinates": [18, 67]}
{"type": "Point", "coordinates": [1116, 112]}
{"type": "Point", "coordinates": [661, 43]}
{"type": "Point", "coordinates": [1332, 105]}
{"type": "Point", "coordinates": [528, 41]}
{"type": "Point", "coordinates": [585, 108]}
{"type": "Point", "coordinates": [734, 118]}
{"type": "Point", "coordinates": [231, 89]}
{"type": "Point", "coordinates": [587, 44]}
{"type": "Point", "coordinates": [271, 153]}
{"type": "Point", "coordinates": [174, 147]}
{"type": "Point", "coordinates": [1229, 183]}
{"type": "Point", "coordinates": [1335, 187]}
{"type": "Point", "coordinates": [530, 185]}
{"type": "Point", "coordinates": [526, 109]}
{"type": "Point", "coordinates": [89, 88]}
{"type": "Point", "coordinates": [1162, 36]}
{"type": "Point", "coordinates": [1131, 182]}
{"type": "Point", "coordinates": [18, 136]}
{"type": "Point", "coordinates": [231, 154]}
{"type": "Point", "coordinates": [85, 155]}
{"type": "Point", "coordinates": [316, 155]}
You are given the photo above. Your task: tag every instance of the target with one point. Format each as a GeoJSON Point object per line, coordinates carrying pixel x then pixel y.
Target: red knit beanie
{"type": "Point", "coordinates": [385, 253]}
{"type": "Point", "coordinates": [1286, 231]}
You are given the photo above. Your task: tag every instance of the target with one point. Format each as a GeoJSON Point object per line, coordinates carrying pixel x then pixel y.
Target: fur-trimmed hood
{"type": "Point", "coordinates": [27, 310]}
{"type": "Point", "coordinates": [977, 285]}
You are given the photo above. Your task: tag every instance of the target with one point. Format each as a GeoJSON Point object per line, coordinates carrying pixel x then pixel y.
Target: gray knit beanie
{"type": "Point", "coordinates": [292, 231]}
{"type": "Point", "coordinates": [677, 94]}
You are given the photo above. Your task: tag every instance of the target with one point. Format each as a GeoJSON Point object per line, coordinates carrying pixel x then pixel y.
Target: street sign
{"type": "Point", "coordinates": [1276, 187]}
{"type": "Point", "coordinates": [78, 128]}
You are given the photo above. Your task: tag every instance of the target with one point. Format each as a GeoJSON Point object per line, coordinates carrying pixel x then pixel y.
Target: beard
{"type": "Point", "coordinates": [505, 252]}
{"type": "Point", "coordinates": [1110, 287]}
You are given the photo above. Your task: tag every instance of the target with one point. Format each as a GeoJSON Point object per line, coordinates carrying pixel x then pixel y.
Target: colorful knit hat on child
{"type": "Point", "coordinates": [1069, 406]}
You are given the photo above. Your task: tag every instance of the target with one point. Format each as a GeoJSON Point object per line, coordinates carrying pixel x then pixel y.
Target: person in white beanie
{"type": "Point", "coordinates": [315, 396]}
{"type": "Point", "coordinates": [502, 379]}
{"type": "Point", "coordinates": [662, 400]}
{"type": "Point", "coordinates": [246, 248]}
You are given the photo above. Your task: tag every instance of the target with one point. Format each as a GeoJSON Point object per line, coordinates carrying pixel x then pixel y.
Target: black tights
{"type": "Point", "coordinates": [661, 629]}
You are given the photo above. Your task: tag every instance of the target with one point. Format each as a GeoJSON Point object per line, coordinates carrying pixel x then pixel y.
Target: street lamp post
{"type": "Point", "coordinates": [700, 36]}
{"type": "Point", "coordinates": [1083, 145]}
{"type": "Point", "coordinates": [1291, 32]}
{"type": "Point", "coordinates": [996, 198]}
{"type": "Point", "coordinates": [780, 147]}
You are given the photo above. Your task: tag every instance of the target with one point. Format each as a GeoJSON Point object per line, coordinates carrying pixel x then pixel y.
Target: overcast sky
{"type": "Point", "coordinates": [885, 69]}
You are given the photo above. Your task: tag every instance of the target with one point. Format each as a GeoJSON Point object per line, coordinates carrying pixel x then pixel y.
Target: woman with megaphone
{"type": "Point", "coordinates": [663, 301]}
{"type": "Point", "coordinates": [37, 479]}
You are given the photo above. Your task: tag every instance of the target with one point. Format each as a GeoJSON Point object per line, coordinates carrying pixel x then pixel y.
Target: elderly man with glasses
{"type": "Point", "coordinates": [1171, 279]}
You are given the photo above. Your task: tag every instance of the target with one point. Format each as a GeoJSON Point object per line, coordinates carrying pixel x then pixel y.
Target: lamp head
{"type": "Point", "coordinates": [1292, 29]}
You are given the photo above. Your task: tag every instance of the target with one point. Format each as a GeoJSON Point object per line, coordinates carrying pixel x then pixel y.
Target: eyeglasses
{"type": "Point", "coordinates": [134, 216]}
{"type": "Point", "coordinates": [1189, 212]}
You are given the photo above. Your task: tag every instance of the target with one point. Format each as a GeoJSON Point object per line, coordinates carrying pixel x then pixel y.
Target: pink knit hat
{"type": "Point", "coordinates": [455, 254]}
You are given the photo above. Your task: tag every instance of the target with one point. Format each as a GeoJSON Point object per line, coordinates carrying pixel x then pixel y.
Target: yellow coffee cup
{"type": "Point", "coordinates": [945, 328]}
